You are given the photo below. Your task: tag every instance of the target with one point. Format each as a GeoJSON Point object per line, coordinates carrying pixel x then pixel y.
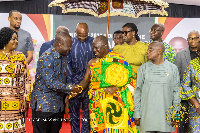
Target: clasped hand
{"type": "Point", "coordinates": [75, 90]}
{"type": "Point", "coordinates": [111, 90]}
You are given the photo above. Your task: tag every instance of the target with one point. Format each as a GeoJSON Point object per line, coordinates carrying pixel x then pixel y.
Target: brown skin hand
{"type": "Point", "coordinates": [137, 121]}
{"type": "Point", "coordinates": [111, 90]}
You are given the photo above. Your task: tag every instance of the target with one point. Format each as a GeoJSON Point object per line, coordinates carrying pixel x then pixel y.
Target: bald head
{"type": "Point", "coordinates": [100, 46]}
{"type": "Point", "coordinates": [62, 29]}
{"type": "Point", "coordinates": [101, 39]}
{"type": "Point", "coordinates": [155, 51]}
{"type": "Point", "coordinates": [82, 27]}
{"type": "Point", "coordinates": [82, 32]}
{"type": "Point", "coordinates": [162, 27]}
{"type": "Point", "coordinates": [159, 45]}
{"type": "Point", "coordinates": [157, 31]}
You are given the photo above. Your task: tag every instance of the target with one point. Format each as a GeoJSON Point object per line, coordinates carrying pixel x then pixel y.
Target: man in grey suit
{"type": "Point", "coordinates": [182, 60]}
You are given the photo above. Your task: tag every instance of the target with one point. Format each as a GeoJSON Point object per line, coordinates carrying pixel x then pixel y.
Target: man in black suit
{"type": "Point", "coordinates": [48, 44]}
{"type": "Point", "coordinates": [182, 60]}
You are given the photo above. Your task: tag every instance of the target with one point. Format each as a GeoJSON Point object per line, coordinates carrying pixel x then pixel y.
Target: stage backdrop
{"type": "Point", "coordinates": [42, 27]}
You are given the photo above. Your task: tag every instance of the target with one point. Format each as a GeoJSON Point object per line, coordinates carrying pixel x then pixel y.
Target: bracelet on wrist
{"type": "Point", "coordinates": [80, 87]}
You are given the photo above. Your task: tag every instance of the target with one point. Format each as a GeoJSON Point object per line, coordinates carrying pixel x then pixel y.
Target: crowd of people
{"type": "Point", "coordinates": [134, 87]}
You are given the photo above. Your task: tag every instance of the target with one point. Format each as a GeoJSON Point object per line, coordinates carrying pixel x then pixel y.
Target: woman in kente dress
{"type": "Point", "coordinates": [14, 83]}
{"type": "Point", "coordinates": [190, 90]}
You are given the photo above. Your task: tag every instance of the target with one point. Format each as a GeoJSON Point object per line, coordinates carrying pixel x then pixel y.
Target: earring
{"type": "Point", "coordinates": [4, 48]}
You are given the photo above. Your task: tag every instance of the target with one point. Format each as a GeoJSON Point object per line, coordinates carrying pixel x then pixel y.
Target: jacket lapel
{"type": "Point", "coordinates": [187, 55]}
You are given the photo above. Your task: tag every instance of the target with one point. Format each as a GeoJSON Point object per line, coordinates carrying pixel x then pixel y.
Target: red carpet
{"type": "Point", "coordinates": [66, 128]}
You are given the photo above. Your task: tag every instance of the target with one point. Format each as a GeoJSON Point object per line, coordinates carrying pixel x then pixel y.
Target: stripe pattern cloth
{"type": "Point", "coordinates": [80, 55]}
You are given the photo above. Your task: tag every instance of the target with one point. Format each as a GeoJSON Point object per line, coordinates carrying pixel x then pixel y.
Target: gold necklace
{"type": "Point", "coordinates": [7, 53]}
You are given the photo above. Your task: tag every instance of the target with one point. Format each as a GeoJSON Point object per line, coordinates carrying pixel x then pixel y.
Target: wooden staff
{"type": "Point", "coordinates": [108, 19]}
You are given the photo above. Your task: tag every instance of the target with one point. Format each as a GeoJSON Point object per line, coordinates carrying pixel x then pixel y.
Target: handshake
{"type": "Point", "coordinates": [76, 89]}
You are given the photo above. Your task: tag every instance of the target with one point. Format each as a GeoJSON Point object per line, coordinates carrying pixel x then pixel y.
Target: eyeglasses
{"type": "Point", "coordinates": [195, 38]}
{"type": "Point", "coordinates": [154, 30]}
{"type": "Point", "coordinates": [126, 32]}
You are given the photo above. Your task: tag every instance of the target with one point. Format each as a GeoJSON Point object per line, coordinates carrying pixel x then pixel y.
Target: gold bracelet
{"type": "Point", "coordinates": [70, 96]}
{"type": "Point", "coordinates": [80, 87]}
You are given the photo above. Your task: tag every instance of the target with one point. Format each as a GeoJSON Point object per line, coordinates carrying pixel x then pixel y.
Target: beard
{"type": "Point", "coordinates": [16, 27]}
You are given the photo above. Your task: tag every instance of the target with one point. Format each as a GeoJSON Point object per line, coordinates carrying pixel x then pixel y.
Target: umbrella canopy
{"type": "Point", "coordinates": [100, 8]}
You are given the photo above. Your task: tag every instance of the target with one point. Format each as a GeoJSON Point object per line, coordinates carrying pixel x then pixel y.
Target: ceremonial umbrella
{"type": "Point", "coordinates": [102, 8]}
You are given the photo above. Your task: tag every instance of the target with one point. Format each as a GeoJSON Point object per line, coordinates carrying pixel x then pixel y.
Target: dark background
{"type": "Point", "coordinates": [41, 7]}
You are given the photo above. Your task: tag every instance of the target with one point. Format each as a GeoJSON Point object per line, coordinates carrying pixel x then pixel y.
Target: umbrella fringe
{"type": "Point", "coordinates": [163, 13]}
{"type": "Point", "coordinates": [156, 2]}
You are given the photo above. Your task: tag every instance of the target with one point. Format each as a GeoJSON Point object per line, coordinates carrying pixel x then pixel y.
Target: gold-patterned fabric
{"type": "Point", "coordinates": [14, 91]}
{"type": "Point", "coordinates": [112, 113]}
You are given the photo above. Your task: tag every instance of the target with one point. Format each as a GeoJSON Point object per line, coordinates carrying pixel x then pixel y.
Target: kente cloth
{"type": "Point", "coordinates": [112, 113]}
{"type": "Point", "coordinates": [190, 87]}
{"type": "Point", "coordinates": [14, 91]}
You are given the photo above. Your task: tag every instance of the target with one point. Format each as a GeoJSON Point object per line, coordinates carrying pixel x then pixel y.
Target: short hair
{"type": "Point", "coordinates": [62, 37]}
{"type": "Point", "coordinates": [5, 36]}
{"type": "Point", "coordinates": [194, 31]}
{"type": "Point", "coordinates": [160, 45]}
{"type": "Point", "coordinates": [11, 12]}
{"type": "Point", "coordinates": [117, 32]}
{"type": "Point", "coordinates": [62, 29]}
{"type": "Point", "coordinates": [102, 39]}
{"type": "Point", "coordinates": [134, 28]}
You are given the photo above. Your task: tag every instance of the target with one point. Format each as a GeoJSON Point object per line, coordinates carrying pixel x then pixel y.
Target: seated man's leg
{"type": "Point", "coordinates": [74, 109]}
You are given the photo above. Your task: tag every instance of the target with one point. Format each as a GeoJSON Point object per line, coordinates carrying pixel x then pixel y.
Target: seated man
{"type": "Point", "coordinates": [112, 83]}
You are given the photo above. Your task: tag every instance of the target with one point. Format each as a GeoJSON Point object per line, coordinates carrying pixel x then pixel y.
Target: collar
{"type": "Point", "coordinates": [79, 41]}
{"type": "Point", "coordinates": [55, 53]}
{"type": "Point", "coordinates": [153, 41]}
